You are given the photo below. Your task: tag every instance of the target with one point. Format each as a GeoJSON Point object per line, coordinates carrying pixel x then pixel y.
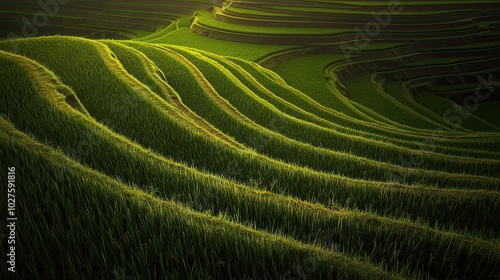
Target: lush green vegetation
{"type": "Point", "coordinates": [252, 140]}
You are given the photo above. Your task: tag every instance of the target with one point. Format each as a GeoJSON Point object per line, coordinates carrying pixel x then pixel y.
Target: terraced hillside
{"type": "Point", "coordinates": [250, 140]}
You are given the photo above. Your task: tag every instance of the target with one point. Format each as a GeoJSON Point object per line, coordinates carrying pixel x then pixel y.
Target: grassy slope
{"type": "Point", "coordinates": [159, 225]}
{"type": "Point", "coordinates": [348, 125]}
{"type": "Point", "coordinates": [226, 159]}
{"type": "Point", "coordinates": [184, 37]}
{"type": "Point", "coordinates": [314, 85]}
{"type": "Point", "coordinates": [95, 153]}
{"type": "Point", "coordinates": [206, 19]}
{"type": "Point", "coordinates": [123, 124]}
{"type": "Point", "coordinates": [264, 114]}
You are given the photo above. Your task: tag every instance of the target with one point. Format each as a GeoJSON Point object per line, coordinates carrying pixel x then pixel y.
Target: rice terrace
{"type": "Point", "coordinates": [202, 139]}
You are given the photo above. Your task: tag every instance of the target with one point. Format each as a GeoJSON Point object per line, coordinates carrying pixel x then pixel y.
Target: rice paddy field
{"type": "Point", "coordinates": [206, 139]}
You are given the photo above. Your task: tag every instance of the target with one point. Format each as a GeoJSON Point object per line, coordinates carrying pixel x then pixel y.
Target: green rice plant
{"type": "Point", "coordinates": [99, 211]}
{"type": "Point", "coordinates": [294, 213]}
{"type": "Point", "coordinates": [311, 134]}
{"type": "Point", "coordinates": [183, 37]}
{"type": "Point", "coordinates": [298, 181]}
{"type": "Point", "coordinates": [363, 91]}
{"type": "Point", "coordinates": [206, 19]}
{"type": "Point", "coordinates": [312, 83]}
{"type": "Point", "coordinates": [301, 131]}
{"type": "Point", "coordinates": [158, 161]}
{"type": "Point", "coordinates": [357, 128]}
{"type": "Point", "coordinates": [439, 104]}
